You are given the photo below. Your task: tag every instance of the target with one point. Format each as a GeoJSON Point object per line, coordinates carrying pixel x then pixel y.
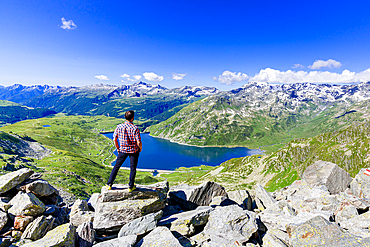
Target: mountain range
{"type": "Point", "coordinates": [260, 114]}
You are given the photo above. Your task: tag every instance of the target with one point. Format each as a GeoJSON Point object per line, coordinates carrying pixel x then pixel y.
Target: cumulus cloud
{"type": "Point", "coordinates": [178, 77]}
{"type": "Point", "coordinates": [68, 24]}
{"type": "Point", "coordinates": [276, 76]}
{"type": "Point", "coordinates": [297, 65]}
{"type": "Point", "coordinates": [330, 64]}
{"type": "Point", "coordinates": [124, 76]}
{"type": "Point", "coordinates": [150, 76]}
{"type": "Point", "coordinates": [228, 77]}
{"type": "Point", "coordinates": [137, 77]}
{"type": "Point", "coordinates": [102, 77]}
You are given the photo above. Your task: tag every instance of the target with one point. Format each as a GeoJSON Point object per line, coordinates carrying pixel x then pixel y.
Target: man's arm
{"type": "Point", "coordinates": [115, 140]}
{"type": "Point", "coordinates": [139, 144]}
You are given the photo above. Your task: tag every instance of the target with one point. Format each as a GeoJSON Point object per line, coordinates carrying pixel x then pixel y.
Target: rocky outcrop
{"type": "Point", "coordinates": [329, 174]}
{"type": "Point", "coordinates": [118, 207]}
{"type": "Point", "coordinates": [11, 180]}
{"type": "Point", "coordinates": [26, 204]}
{"type": "Point", "coordinates": [304, 213]}
{"type": "Point", "coordinates": [39, 187]}
{"type": "Point", "coordinates": [360, 185]}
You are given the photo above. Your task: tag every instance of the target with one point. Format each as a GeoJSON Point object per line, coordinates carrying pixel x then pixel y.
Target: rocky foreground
{"type": "Point", "coordinates": [326, 208]}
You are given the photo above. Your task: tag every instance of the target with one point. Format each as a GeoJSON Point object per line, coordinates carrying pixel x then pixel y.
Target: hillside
{"type": "Point", "coordinates": [11, 112]}
{"type": "Point", "coordinates": [349, 148]}
{"type": "Point", "coordinates": [78, 154]}
{"type": "Point", "coordinates": [262, 114]}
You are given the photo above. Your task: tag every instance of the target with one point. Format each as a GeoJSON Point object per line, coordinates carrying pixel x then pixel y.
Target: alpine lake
{"type": "Point", "coordinates": [161, 154]}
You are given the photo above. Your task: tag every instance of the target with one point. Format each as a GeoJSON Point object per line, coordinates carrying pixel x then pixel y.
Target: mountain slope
{"type": "Point", "coordinates": [349, 148]}
{"type": "Point", "coordinates": [261, 114]}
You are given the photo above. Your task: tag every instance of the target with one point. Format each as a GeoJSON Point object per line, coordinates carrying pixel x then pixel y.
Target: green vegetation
{"type": "Point", "coordinates": [80, 157]}
{"type": "Point", "coordinates": [349, 148]}
{"type": "Point", "coordinates": [11, 112]}
{"type": "Point", "coordinates": [186, 174]}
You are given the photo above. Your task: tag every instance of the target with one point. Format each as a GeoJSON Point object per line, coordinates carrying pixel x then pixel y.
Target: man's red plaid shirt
{"type": "Point", "coordinates": [128, 135]}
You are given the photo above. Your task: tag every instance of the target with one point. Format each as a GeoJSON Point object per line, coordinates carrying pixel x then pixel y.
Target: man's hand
{"type": "Point", "coordinates": [116, 143]}
{"type": "Point", "coordinates": [140, 145]}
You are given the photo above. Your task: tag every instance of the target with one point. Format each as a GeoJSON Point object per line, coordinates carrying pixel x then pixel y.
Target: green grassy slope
{"type": "Point", "coordinates": [349, 148]}
{"type": "Point", "coordinates": [81, 156]}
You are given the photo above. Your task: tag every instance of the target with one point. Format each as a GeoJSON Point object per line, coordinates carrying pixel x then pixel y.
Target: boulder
{"type": "Point", "coordinates": [231, 223]}
{"type": "Point", "coordinates": [190, 197]}
{"type": "Point", "coordinates": [160, 236]}
{"type": "Point", "coordinates": [320, 232]}
{"type": "Point", "coordinates": [38, 228]}
{"type": "Point", "coordinates": [359, 203]}
{"type": "Point", "coordinates": [267, 200]}
{"type": "Point", "coordinates": [85, 235]}
{"type": "Point", "coordinates": [11, 180]}
{"type": "Point", "coordinates": [26, 204]}
{"type": "Point", "coordinates": [297, 188]}
{"type": "Point", "coordinates": [93, 200]}
{"type": "Point", "coordinates": [21, 222]}
{"type": "Point", "coordinates": [271, 240]}
{"type": "Point", "coordinates": [3, 219]}
{"type": "Point", "coordinates": [345, 211]}
{"type": "Point", "coordinates": [360, 185]}
{"type": "Point", "coordinates": [329, 174]}
{"type": "Point", "coordinates": [221, 201]}
{"type": "Point", "coordinates": [141, 225]}
{"type": "Point", "coordinates": [120, 192]}
{"type": "Point", "coordinates": [80, 213]}
{"type": "Point", "coordinates": [126, 241]}
{"type": "Point", "coordinates": [359, 221]}
{"type": "Point", "coordinates": [39, 187]}
{"type": "Point", "coordinates": [185, 222]}
{"type": "Point", "coordinates": [241, 197]}
{"type": "Point", "coordinates": [63, 235]}
{"type": "Point", "coordinates": [112, 215]}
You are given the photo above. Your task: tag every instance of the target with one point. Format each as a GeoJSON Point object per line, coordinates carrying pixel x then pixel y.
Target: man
{"type": "Point", "coordinates": [127, 140]}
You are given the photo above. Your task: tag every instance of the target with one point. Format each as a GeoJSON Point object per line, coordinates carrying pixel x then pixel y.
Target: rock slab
{"type": "Point", "coordinates": [11, 180]}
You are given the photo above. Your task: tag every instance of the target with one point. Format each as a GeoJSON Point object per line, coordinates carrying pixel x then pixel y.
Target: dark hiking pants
{"type": "Point", "coordinates": [134, 157]}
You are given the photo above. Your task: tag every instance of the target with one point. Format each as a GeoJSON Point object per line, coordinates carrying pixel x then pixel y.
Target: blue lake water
{"type": "Point", "coordinates": [162, 154]}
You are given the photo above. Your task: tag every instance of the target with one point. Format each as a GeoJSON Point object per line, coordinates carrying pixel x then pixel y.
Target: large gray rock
{"type": "Point", "coordinates": [298, 188]}
{"type": "Point", "coordinates": [231, 223]}
{"type": "Point", "coordinates": [111, 216]}
{"type": "Point", "coordinates": [141, 225]}
{"type": "Point", "coordinates": [320, 232]}
{"type": "Point", "coordinates": [26, 204]}
{"type": "Point", "coordinates": [160, 237]}
{"type": "Point", "coordinates": [190, 197]}
{"type": "Point", "coordinates": [3, 219]}
{"type": "Point", "coordinates": [63, 235]}
{"type": "Point", "coordinates": [11, 180]}
{"type": "Point", "coordinates": [360, 185]}
{"type": "Point", "coordinates": [359, 221]}
{"type": "Point", "coordinates": [185, 222]}
{"type": "Point", "coordinates": [126, 241]}
{"type": "Point", "coordinates": [120, 192]}
{"type": "Point", "coordinates": [359, 203]}
{"type": "Point", "coordinates": [80, 213]}
{"type": "Point", "coordinates": [267, 200]}
{"type": "Point", "coordinates": [38, 228]}
{"type": "Point", "coordinates": [39, 187]}
{"type": "Point", "coordinates": [93, 200]}
{"type": "Point", "coordinates": [271, 240]}
{"type": "Point", "coordinates": [329, 174]}
{"type": "Point", "coordinates": [241, 197]}
{"type": "Point", "coordinates": [345, 211]}
{"type": "Point", "coordinates": [85, 235]}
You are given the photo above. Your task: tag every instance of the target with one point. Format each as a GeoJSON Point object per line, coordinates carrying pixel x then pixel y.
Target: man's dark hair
{"type": "Point", "coordinates": [129, 115]}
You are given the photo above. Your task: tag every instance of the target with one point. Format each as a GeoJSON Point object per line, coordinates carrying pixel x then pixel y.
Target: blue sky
{"type": "Point", "coordinates": [174, 43]}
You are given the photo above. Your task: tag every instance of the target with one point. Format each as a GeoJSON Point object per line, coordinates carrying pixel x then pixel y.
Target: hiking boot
{"type": "Point", "coordinates": [109, 187]}
{"type": "Point", "coordinates": [132, 188]}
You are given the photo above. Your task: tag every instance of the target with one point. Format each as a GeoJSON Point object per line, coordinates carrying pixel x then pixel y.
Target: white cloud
{"type": "Point", "coordinates": [68, 24]}
{"type": "Point", "coordinates": [276, 76]}
{"type": "Point", "coordinates": [137, 77]}
{"type": "Point", "coordinates": [178, 77]}
{"type": "Point", "coordinates": [229, 77]}
{"type": "Point", "coordinates": [124, 76]}
{"type": "Point", "coordinates": [330, 64]}
{"type": "Point", "coordinates": [150, 76]}
{"type": "Point", "coordinates": [297, 65]}
{"type": "Point", "coordinates": [102, 77]}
